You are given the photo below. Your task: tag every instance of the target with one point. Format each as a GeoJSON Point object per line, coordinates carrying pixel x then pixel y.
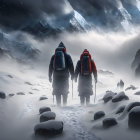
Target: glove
{"type": "Point", "coordinates": [50, 79]}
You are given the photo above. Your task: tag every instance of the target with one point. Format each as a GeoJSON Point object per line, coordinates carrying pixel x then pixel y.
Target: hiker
{"type": "Point", "coordinates": [85, 67]}
{"type": "Point", "coordinates": [120, 84]}
{"type": "Point", "coordinates": [61, 66]}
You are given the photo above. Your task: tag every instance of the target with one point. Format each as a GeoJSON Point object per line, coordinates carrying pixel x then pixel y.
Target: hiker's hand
{"type": "Point", "coordinates": [50, 80]}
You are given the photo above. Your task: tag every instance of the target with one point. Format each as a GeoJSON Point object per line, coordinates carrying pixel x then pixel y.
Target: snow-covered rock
{"type": "Point", "coordinates": [20, 93]}
{"type": "Point", "coordinates": [134, 118]}
{"type": "Point", "coordinates": [99, 115]}
{"type": "Point", "coordinates": [10, 76]}
{"type": "Point", "coordinates": [43, 98]}
{"type": "Point", "coordinates": [11, 94]}
{"type": "Point", "coordinates": [44, 109]}
{"type": "Point", "coordinates": [137, 71]}
{"type": "Point", "coordinates": [119, 97]}
{"type": "Point", "coordinates": [108, 122]}
{"type": "Point", "coordinates": [137, 93]}
{"type": "Point", "coordinates": [120, 109]}
{"type": "Point", "coordinates": [49, 128]}
{"type": "Point", "coordinates": [47, 116]}
{"type": "Point", "coordinates": [132, 105]}
{"type": "Point", "coordinates": [108, 96]}
{"type": "Point", "coordinates": [28, 83]}
{"type": "Point", "coordinates": [2, 95]}
{"type": "Point", "coordinates": [131, 87]}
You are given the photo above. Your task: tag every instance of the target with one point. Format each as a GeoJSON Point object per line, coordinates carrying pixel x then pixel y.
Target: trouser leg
{"type": "Point", "coordinates": [82, 100]}
{"type": "Point", "coordinates": [65, 99]}
{"type": "Point", "coordinates": [87, 100]}
{"type": "Point", "coordinates": [58, 100]}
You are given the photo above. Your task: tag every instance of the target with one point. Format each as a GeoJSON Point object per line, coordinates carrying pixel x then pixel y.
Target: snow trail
{"type": "Point", "coordinates": [72, 118]}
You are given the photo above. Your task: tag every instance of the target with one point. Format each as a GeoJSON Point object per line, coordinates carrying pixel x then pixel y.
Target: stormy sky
{"type": "Point", "coordinates": [15, 14]}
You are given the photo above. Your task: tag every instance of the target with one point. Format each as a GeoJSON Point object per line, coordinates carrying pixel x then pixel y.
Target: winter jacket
{"type": "Point", "coordinates": [85, 82]}
{"type": "Point", "coordinates": [61, 78]}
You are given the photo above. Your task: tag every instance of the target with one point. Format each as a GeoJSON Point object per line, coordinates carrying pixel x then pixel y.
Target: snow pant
{"type": "Point", "coordinates": [58, 99]}
{"type": "Point", "coordinates": [84, 99]}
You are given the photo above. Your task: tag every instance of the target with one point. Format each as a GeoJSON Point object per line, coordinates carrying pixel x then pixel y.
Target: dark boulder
{"type": "Point", "coordinates": [43, 98]}
{"type": "Point", "coordinates": [134, 118]}
{"type": "Point", "coordinates": [137, 71]}
{"type": "Point", "coordinates": [99, 115]}
{"type": "Point", "coordinates": [136, 61]}
{"type": "Point", "coordinates": [2, 95]}
{"type": "Point", "coordinates": [131, 87]}
{"type": "Point", "coordinates": [119, 97]}
{"type": "Point", "coordinates": [11, 94]}
{"type": "Point", "coordinates": [120, 109]}
{"type": "Point", "coordinates": [20, 93]}
{"type": "Point", "coordinates": [44, 109]}
{"type": "Point", "coordinates": [47, 116]}
{"type": "Point", "coordinates": [132, 105]}
{"type": "Point", "coordinates": [108, 96]}
{"type": "Point", "coordinates": [49, 128]}
{"type": "Point", "coordinates": [137, 93]}
{"type": "Point", "coordinates": [109, 122]}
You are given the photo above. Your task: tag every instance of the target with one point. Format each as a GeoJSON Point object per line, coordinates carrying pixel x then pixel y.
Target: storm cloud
{"type": "Point", "coordinates": [17, 13]}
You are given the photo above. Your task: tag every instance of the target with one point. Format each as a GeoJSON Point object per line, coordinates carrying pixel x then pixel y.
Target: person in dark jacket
{"type": "Point", "coordinates": [85, 68]}
{"type": "Point", "coordinates": [61, 76]}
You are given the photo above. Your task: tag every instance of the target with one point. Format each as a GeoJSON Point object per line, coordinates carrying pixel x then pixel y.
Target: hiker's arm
{"type": "Point", "coordinates": [94, 70]}
{"type": "Point", "coordinates": [77, 70]}
{"type": "Point", "coordinates": [51, 68]}
{"type": "Point", "coordinates": [71, 66]}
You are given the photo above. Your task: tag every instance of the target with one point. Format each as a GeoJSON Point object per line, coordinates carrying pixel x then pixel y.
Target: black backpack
{"type": "Point", "coordinates": [86, 63]}
{"type": "Point", "coordinates": [59, 60]}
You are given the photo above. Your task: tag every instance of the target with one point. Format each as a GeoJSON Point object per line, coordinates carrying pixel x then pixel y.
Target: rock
{"type": "Point", "coordinates": [99, 115]}
{"type": "Point", "coordinates": [35, 89]}
{"type": "Point", "coordinates": [30, 92]}
{"type": "Point", "coordinates": [131, 87]}
{"type": "Point", "coordinates": [136, 61]}
{"type": "Point", "coordinates": [47, 116]}
{"type": "Point", "coordinates": [2, 95]}
{"type": "Point", "coordinates": [43, 98]}
{"type": "Point", "coordinates": [120, 109]}
{"type": "Point", "coordinates": [108, 96]}
{"type": "Point", "coordinates": [11, 94]}
{"type": "Point", "coordinates": [108, 122]}
{"type": "Point", "coordinates": [137, 71]}
{"type": "Point", "coordinates": [20, 93]}
{"type": "Point", "coordinates": [28, 83]}
{"type": "Point", "coordinates": [49, 128]}
{"type": "Point", "coordinates": [134, 118]}
{"type": "Point", "coordinates": [137, 93]}
{"type": "Point", "coordinates": [120, 84]}
{"type": "Point", "coordinates": [10, 76]}
{"type": "Point", "coordinates": [119, 97]}
{"type": "Point", "coordinates": [44, 109]}
{"type": "Point", "coordinates": [132, 105]}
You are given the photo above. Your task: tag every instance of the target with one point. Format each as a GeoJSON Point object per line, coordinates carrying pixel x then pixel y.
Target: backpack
{"type": "Point", "coordinates": [59, 59]}
{"type": "Point", "coordinates": [86, 63]}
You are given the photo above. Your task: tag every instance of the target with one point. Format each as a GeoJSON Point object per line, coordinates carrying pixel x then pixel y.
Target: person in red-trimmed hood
{"type": "Point", "coordinates": [85, 68]}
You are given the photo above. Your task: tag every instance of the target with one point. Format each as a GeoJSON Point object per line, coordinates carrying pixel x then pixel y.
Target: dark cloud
{"type": "Point", "coordinates": [16, 13]}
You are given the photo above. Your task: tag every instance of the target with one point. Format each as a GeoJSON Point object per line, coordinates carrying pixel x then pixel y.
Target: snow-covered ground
{"type": "Point", "coordinates": [20, 113]}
